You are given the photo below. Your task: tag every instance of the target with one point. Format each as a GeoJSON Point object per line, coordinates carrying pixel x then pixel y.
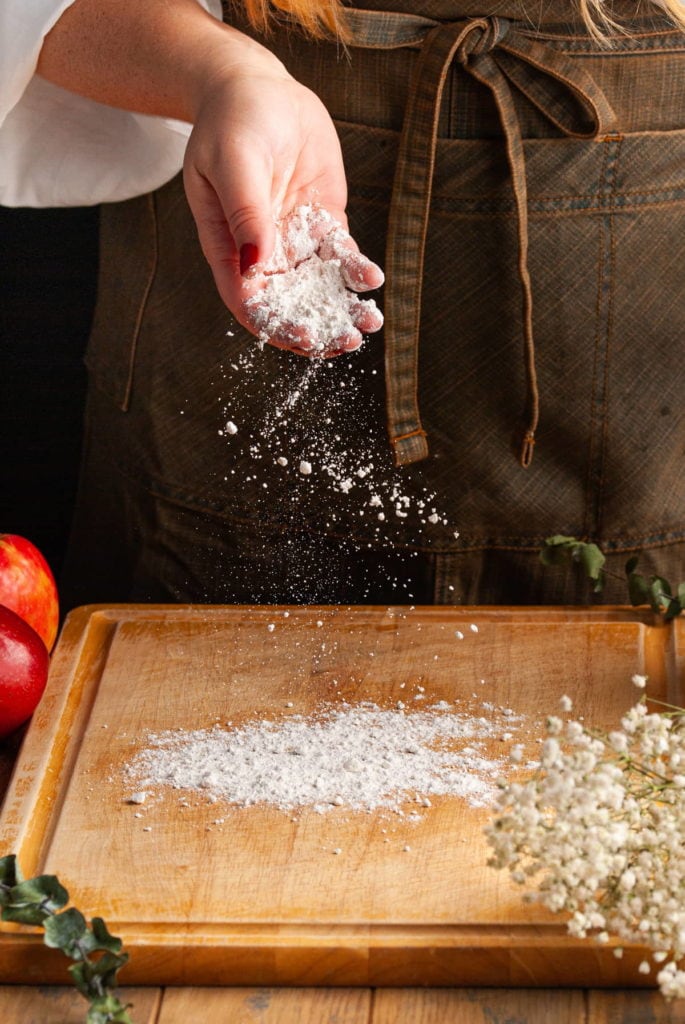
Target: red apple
{"type": "Point", "coordinates": [28, 587]}
{"type": "Point", "coordinates": [24, 663]}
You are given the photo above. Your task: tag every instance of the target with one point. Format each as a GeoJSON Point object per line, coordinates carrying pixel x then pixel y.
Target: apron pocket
{"type": "Point", "coordinates": [128, 238]}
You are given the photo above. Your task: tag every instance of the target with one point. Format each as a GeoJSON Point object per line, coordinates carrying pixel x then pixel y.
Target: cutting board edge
{"type": "Point", "coordinates": [468, 956]}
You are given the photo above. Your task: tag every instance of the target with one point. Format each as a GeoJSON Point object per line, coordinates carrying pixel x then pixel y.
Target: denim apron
{"type": "Point", "coordinates": [524, 190]}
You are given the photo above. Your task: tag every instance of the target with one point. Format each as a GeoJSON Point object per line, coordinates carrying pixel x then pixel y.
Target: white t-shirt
{"type": "Point", "coordinates": [59, 149]}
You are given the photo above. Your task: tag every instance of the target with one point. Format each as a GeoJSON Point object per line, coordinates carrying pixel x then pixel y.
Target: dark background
{"type": "Point", "coordinates": [48, 275]}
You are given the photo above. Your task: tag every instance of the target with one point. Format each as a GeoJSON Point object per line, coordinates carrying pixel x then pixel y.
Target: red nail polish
{"type": "Point", "coordinates": [249, 257]}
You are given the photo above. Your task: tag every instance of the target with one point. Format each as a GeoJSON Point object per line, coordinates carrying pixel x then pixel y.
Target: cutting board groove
{"type": "Point", "coordinates": [260, 900]}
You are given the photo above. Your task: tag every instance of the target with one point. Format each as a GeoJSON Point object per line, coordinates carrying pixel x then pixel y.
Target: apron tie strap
{"type": "Point", "coordinates": [501, 58]}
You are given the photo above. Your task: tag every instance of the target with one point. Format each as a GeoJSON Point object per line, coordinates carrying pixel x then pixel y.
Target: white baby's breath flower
{"type": "Point", "coordinates": [639, 681]}
{"type": "Point", "coordinates": [671, 981]}
{"type": "Point", "coordinates": [618, 741]}
{"type": "Point", "coordinates": [554, 725]}
{"type": "Point", "coordinates": [565, 703]}
{"type": "Point", "coordinates": [599, 828]}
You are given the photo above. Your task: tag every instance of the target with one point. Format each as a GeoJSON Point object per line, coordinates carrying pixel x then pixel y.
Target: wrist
{"type": "Point", "coordinates": [227, 58]}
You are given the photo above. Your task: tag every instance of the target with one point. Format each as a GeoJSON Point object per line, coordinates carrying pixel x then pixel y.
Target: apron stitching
{"type": "Point", "coordinates": [616, 144]}
{"type": "Point", "coordinates": [152, 270]}
{"type": "Point", "coordinates": [599, 382]}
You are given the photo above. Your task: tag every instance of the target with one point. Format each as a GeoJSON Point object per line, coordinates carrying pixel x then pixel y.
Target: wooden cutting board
{"type": "Point", "coordinates": [212, 894]}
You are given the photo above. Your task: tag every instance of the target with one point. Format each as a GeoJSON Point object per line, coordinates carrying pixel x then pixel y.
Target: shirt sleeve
{"type": "Point", "coordinates": [61, 149]}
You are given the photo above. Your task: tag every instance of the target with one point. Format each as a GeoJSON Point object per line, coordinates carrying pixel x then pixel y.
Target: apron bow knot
{"type": "Point", "coordinates": [500, 56]}
{"type": "Point", "coordinates": [483, 35]}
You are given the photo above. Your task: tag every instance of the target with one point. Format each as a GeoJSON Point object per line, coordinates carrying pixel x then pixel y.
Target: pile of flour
{"type": "Point", "coordinates": [359, 756]}
{"type": "Point", "coordinates": [308, 285]}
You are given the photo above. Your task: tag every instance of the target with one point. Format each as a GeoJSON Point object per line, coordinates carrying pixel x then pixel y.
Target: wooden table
{"type": "Point", "coordinates": [21, 1004]}
{"type": "Point", "coordinates": [55, 1005]}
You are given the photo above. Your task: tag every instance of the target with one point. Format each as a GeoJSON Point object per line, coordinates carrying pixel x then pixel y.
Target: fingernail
{"type": "Point", "coordinates": [249, 257]}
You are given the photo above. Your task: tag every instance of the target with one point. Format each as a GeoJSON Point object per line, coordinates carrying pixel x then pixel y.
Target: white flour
{"type": "Point", "coordinates": [308, 287]}
{"type": "Point", "coordinates": [358, 756]}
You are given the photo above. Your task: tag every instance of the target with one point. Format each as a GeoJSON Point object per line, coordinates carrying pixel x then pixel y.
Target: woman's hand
{"type": "Point", "coordinates": [264, 146]}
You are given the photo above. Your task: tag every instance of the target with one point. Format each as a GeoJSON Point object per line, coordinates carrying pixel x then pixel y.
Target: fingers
{"type": "Point", "coordinates": [235, 222]}
{"type": "Point", "coordinates": [283, 338]}
{"type": "Point", "coordinates": [306, 299]}
{"type": "Point", "coordinates": [366, 316]}
{"type": "Point", "coordinates": [359, 272]}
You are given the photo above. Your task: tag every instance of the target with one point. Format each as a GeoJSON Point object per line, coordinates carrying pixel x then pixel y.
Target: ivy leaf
{"type": "Point", "coordinates": [659, 594]}
{"type": "Point", "coordinates": [107, 967]}
{"type": "Point", "coordinates": [31, 901]}
{"type": "Point", "coordinates": [107, 1010]}
{"type": "Point", "coordinates": [92, 978]}
{"type": "Point", "coordinates": [638, 589]}
{"type": "Point", "coordinates": [563, 550]}
{"type": "Point", "coordinates": [558, 550]}
{"type": "Point", "coordinates": [674, 609]}
{"type": "Point", "coordinates": [82, 977]}
{"type": "Point", "coordinates": [101, 938]}
{"type": "Point", "coordinates": [36, 901]}
{"type": "Point", "coordinates": [592, 560]}
{"type": "Point", "coordinates": [10, 873]}
{"type": "Point", "coordinates": [680, 593]}
{"type": "Point", "coordinates": [65, 931]}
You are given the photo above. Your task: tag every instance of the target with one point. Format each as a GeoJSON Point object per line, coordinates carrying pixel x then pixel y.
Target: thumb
{"type": "Point", "coordinates": [246, 197]}
{"type": "Point", "coordinates": [234, 224]}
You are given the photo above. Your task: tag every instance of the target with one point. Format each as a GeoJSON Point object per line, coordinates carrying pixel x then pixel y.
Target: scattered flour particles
{"type": "Point", "coordinates": [307, 455]}
{"type": "Point", "coordinates": [358, 756]}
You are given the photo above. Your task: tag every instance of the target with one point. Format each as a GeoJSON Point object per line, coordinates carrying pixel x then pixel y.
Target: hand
{"type": "Point", "coordinates": [262, 147]}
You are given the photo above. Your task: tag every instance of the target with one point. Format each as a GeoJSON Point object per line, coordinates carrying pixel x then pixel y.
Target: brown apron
{"type": "Point", "coordinates": [525, 191]}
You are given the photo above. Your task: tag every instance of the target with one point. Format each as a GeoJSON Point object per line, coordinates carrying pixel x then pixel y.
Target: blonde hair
{"type": "Point", "coordinates": [322, 19]}
{"type": "Point", "coordinates": [600, 23]}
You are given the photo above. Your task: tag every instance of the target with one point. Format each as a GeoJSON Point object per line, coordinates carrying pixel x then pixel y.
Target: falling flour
{"type": "Point", "coordinates": [307, 454]}
{"type": "Point", "coordinates": [358, 756]}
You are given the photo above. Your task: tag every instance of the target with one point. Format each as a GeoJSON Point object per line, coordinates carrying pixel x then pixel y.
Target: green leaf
{"type": "Point", "coordinates": [44, 889]}
{"type": "Point", "coordinates": [680, 593]}
{"type": "Point", "coordinates": [631, 564]}
{"type": "Point", "coordinates": [592, 560]}
{"type": "Point", "coordinates": [108, 966]}
{"type": "Point", "coordinates": [10, 873]}
{"type": "Point", "coordinates": [108, 1008]}
{"type": "Point", "coordinates": [65, 931]}
{"type": "Point", "coordinates": [659, 594]}
{"type": "Point", "coordinates": [558, 550]}
{"type": "Point", "coordinates": [101, 937]}
{"type": "Point", "coordinates": [93, 978]}
{"type": "Point", "coordinates": [562, 550]}
{"type": "Point", "coordinates": [674, 609]}
{"type": "Point", "coordinates": [638, 589]}
{"type": "Point", "coordinates": [82, 977]}
{"type": "Point", "coordinates": [36, 901]}
{"type": "Point", "coordinates": [31, 901]}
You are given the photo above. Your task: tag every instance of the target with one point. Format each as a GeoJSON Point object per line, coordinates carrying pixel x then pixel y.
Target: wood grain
{"type": "Point", "coordinates": [258, 898]}
{"type": "Point", "coordinates": [23, 1004]}
{"type": "Point", "coordinates": [478, 1006]}
{"type": "Point", "coordinates": [633, 1008]}
{"type": "Point", "coordinates": [266, 1006]}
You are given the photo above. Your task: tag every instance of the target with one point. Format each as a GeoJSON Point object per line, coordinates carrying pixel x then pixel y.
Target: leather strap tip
{"type": "Point", "coordinates": [410, 448]}
{"type": "Point", "coordinates": [527, 449]}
